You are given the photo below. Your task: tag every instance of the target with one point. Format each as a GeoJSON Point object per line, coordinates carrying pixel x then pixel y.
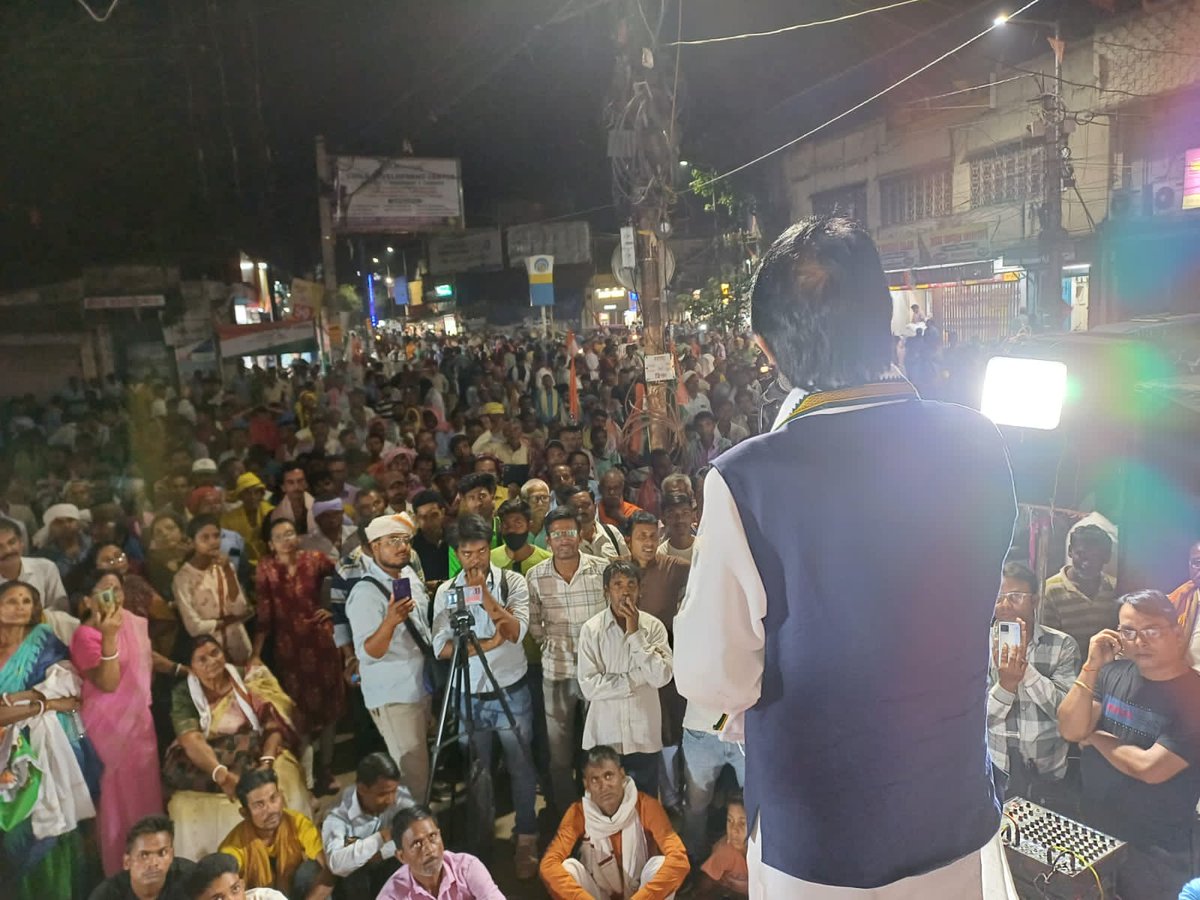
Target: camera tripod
{"type": "Point", "coordinates": [458, 689]}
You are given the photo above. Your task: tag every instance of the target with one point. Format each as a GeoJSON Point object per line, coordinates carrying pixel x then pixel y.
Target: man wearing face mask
{"type": "Point", "coordinates": [517, 552]}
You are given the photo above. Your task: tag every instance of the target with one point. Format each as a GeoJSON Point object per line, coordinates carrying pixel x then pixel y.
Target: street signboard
{"type": "Point", "coordinates": [397, 194]}
{"type": "Point", "coordinates": [659, 367]}
{"type": "Point", "coordinates": [471, 251]}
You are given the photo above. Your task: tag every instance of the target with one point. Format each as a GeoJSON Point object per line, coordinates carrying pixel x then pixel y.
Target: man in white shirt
{"type": "Point", "coordinates": [357, 832]}
{"type": "Point", "coordinates": [624, 658]}
{"type": "Point", "coordinates": [841, 747]}
{"type": "Point", "coordinates": [41, 573]}
{"type": "Point", "coordinates": [391, 635]}
{"type": "Point", "coordinates": [498, 603]}
{"type": "Point", "coordinates": [595, 538]}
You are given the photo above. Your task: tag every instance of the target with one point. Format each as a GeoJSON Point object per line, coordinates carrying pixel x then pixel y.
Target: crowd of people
{"type": "Point", "coordinates": [202, 585]}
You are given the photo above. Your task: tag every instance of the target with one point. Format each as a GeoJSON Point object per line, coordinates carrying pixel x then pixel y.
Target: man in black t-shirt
{"type": "Point", "coordinates": [152, 871]}
{"type": "Point", "coordinates": [1137, 718]}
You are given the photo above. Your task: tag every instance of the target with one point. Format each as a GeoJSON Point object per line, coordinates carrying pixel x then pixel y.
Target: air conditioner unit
{"type": "Point", "coordinates": [1164, 197]}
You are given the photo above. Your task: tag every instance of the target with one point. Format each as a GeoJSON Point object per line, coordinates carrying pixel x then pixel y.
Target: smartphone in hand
{"type": "Point", "coordinates": [401, 589]}
{"type": "Point", "coordinates": [1008, 634]}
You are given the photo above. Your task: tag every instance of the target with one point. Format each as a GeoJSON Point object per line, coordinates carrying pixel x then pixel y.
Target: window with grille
{"type": "Point", "coordinates": [849, 201]}
{"type": "Point", "coordinates": [1011, 174]}
{"type": "Point", "coordinates": [914, 196]}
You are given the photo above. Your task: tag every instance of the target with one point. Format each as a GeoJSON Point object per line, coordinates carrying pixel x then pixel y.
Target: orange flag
{"type": "Point", "coordinates": [573, 384]}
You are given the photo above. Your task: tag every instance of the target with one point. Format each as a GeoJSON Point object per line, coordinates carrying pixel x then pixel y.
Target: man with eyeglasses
{"type": "Point", "coordinates": [1025, 688]}
{"type": "Point", "coordinates": [391, 637]}
{"type": "Point", "coordinates": [564, 592]}
{"type": "Point", "coordinates": [1135, 711]}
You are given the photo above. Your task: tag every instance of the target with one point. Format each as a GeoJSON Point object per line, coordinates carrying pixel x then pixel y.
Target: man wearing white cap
{"type": "Point", "coordinates": [391, 638]}
{"type": "Point", "coordinates": [65, 543]}
{"type": "Point", "coordinates": [205, 473]}
{"type": "Point", "coordinates": [333, 529]}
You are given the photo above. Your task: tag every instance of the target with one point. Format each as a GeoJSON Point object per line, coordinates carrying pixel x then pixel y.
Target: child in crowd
{"type": "Point", "coordinates": [724, 873]}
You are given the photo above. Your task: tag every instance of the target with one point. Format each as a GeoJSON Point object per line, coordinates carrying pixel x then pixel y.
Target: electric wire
{"type": "Point", "coordinates": [98, 18]}
{"type": "Point", "coordinates": [967, 90]}
{"type": "Point", "coordinates": [853, 109]}
{"type": "Point", "coordinates": [832, 21]}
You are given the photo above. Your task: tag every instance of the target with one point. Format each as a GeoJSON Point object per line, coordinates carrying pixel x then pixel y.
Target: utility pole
{"type": "Point", "coordinates": [1052, 235]}
{"type": "Point", "coordinates": [643, 145]}
{"type": "Point", "coordinates": [328, 244]}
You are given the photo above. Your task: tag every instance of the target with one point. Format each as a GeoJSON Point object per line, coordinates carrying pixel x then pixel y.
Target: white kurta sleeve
{"type": "Point", "coordinates": [719, 636]}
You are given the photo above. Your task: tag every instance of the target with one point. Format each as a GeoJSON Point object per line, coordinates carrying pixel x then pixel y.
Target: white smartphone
{"type": "Point", "coordinates": [1007, 634]}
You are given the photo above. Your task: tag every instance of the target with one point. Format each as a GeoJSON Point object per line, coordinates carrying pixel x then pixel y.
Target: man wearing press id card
{"type": "Point", "coordinates": [497, 602]}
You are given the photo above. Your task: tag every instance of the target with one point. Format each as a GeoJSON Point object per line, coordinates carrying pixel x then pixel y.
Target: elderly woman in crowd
{"type": "Point", "coordinates": [112, 650]}
{"type": "Point", "coordinates": [227, 720]}
{"type": "Point", "coordinates": [49, 774]}
{"type": "Point", "coordinates": [307, 660]}
{"type": "Point", "coordinates": [208, 596]}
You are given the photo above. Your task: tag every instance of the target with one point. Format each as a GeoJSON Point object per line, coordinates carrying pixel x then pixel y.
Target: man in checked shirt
{"type": "Point", "coordinates": [1025, 689]}
{"type": "Point", "coordinates": [564, 592]}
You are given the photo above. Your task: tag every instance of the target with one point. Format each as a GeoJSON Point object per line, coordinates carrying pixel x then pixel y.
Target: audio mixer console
{"type": "Point", "coordinates": [1053, 856]}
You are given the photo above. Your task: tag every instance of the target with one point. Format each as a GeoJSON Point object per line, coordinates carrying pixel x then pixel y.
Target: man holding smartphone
{"type": "Point", "coordinates": [498, 603]}
{"type": "Point", "coordinates": [1026, 683]}
{"type": "Point", "coordinates": [386, 610]}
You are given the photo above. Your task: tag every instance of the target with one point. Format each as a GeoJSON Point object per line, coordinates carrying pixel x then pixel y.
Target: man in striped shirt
{"type": "Point", "coordinates": [1081, 600]}
{"type": "Point", "coordinates": [564, 592]}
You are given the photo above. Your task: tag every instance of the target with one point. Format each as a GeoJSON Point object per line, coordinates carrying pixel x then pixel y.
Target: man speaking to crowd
{"type": "Point", "coordinates": [855, 674]}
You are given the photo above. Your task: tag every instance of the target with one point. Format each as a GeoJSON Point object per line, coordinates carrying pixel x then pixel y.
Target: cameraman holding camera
{"type": "Point", "coordinates": [494, 604]}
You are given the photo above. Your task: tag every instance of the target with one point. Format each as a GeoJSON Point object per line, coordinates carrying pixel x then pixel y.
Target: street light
{"type": "Point", "coordinates": [391, 250]}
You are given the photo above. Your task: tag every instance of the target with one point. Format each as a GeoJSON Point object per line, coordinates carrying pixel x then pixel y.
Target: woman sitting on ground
{"type": "Point", "coordinates": [227, 720]}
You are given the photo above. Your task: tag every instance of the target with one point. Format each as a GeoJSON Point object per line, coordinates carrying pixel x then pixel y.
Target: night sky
{"type": "Point", "coordinates": [118, 139]}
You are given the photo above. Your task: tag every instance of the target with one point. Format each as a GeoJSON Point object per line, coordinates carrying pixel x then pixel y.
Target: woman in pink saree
{"type": "Point", "coordinates": [112, 651]}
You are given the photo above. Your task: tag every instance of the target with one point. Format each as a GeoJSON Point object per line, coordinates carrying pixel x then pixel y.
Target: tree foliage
{"type": "Point", "coordinates": [723, 304]}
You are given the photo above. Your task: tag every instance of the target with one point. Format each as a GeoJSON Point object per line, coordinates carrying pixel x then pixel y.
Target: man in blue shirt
{"type": "Point", "coordinates": [391, 637]}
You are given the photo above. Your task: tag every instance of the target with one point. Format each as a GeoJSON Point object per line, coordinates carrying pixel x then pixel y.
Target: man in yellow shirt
{"type": "Point", "coordinates": [247, 518]}
{"type": "Point", "coordinates": [276, 847]}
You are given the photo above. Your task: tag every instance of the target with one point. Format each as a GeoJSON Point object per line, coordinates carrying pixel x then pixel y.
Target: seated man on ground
{"type": "Point", "coordinates": [625, 841]}
{"type": "Point", "coordinates": [1026, 687]}
{"type": "Point", "coordinates": [357, 833]}
{"type": "Point", "coordinates": [430, 870]}
{"type": "Point", "coordinates": [152, 871]}
{"type": "Point", "coordinates": [1138, 721]}
{"type": "Point", "coordinates": [276, 847]}
{"type": "Point", "coordinates": [725, 874]}
{"type": "Point", "coordinates": [216, 877]}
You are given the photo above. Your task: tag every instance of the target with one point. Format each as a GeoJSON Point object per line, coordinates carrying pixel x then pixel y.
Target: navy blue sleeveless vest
{"type": "Point", "coordinates": [879, 534]}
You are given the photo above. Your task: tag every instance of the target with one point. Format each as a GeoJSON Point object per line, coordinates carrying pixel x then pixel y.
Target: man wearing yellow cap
{"type": "Point", "coordinates": [247, 518]}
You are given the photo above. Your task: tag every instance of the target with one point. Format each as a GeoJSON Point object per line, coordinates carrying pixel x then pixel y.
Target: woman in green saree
{"type": "Point", "coordinates": [49, 773]}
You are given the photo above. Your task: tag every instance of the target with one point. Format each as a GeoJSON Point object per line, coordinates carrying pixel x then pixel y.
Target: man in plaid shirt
{"type": "Point", "coordinates": [1025, 689]}
{"type": "Point", "coordinates": [564, 592]}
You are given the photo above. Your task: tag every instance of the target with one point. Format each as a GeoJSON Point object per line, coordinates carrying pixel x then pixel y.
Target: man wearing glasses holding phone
{"type": "Point", "coordinates": [1026, 684]}
{"type": "Point", "coordinates": [387, 613]}
{"type": "Point", "coordinates": [1135, 711]}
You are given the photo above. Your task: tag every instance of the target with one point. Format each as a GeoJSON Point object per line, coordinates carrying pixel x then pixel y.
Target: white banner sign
{"type": "Point", "coordinates": [397, 194]}
{"type": "Point", "coordinates": [472, 251]}
{"type": "Point", "coordinates": [659, 367]}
